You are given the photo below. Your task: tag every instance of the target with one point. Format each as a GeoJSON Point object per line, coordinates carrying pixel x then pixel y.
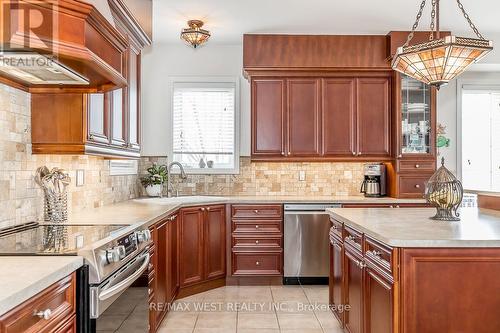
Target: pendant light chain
{"type": "Point", "coordinates": [433, 19]}
{"type": "Point", "coordinates": [415, 25]}
{"type": "Point", "coordinates": [473, 27]}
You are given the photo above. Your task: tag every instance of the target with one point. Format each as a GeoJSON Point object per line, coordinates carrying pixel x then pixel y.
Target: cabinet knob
{"type": "Point", "coordinates": [391, 206]}
{"type": "Point", "coordinates": [377, 254]}
{"type": "Point", "coordinates": [417, 166]}
{"type": "Point", "coordinates": [208, 209]}
{"type": "Point", "coordinates": [45, 314]}
{"type": "Point", "coordinates": [283, 153]}
{"type": "Point", "coordinates": [397, 206]}
{"type": "Point", "coordinates": [362, 264]}
{"type": "Point", "coordinates": [334, 227]}
{"type": "Point", "coordinates": [256, 242]}
{"type": "Point", "coordinates": [91, 136]}
{"type": "Point", "coordinates": [289, 153]}
{"type": "Point", "coordinates": [256, 211]}
{"type": "Point", "coordinates": [400, 155]}
{"type": "Point", "coordinates": [359, 153]}
{"type": "Point", "coordinates": [256, 227]}
{"type": "Point", "coordinates": [354, 153]}
{"type": "Point", "coordinates": [257, 263]}
{"type": "Point", "coordinates": [417, 185]}
{"type": "Point", "coordinates": [202, 209]}
{"type": "Point", "coordinates": [150, 291]}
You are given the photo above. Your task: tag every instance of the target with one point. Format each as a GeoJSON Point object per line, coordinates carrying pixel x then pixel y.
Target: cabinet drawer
{"type": "Point", "coordinates": [68, 327]}
{"type": "Point", "coordinates": [246, 226]}
{"type": "Point", "coordinates": [58, 298]}
{"type": "Point", "coordinates": [412, 186]}
{"type": "Point", "coordinates": [256, 242]}
{"type": "Point", "coordinates": [257, 263]}
{"type": "Point", "coordinates": [416, 166]}
{"type": "Point", "coordinates": [354, 238]}
{"type": "Point", "coordinates": [336, 228]}
{"type": "Point", "coordinates": [257, 211]}
{"type": "Point", "coordinates": [379, 254]}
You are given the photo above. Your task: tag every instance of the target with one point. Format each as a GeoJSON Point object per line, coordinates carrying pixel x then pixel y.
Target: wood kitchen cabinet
{"type": "Point", "coordinates": [202, 244]}
{"type": "Point", "coordinates": [336, 285]}
{"type": "Point", "coordinates": [303, 105]}
{"type": "Point", "coordinates": [59, 298]}
{"type": "Point", "coordinates": [268, 117]}
{"type": "Point", "coordinates": [378, 302]}
{"type": "Point", "coordinates": [321, 119]}
{"type": "Point", "coordinates": [353, 290]}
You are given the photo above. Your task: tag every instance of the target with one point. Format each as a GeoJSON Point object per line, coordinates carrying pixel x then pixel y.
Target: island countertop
{"type": "Point", "coordinates": [412, 227]}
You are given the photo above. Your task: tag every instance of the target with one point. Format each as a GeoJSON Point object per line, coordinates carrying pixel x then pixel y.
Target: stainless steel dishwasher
{"type": "Point", "coordinates": [306, 248]}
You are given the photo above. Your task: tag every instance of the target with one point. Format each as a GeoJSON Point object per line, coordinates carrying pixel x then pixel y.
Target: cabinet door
{"type": "Point", "coordinates": [268, 117]}
{"type": "Point", "coordinates": [303, 133]}
{"type": "Point", "coordinates": [373, 117]}
{"type": "Point", "coordinates": [378, 303]}
{"type": "Point", "coordinates": [215, 242]}
{"type": "Point", "coordinates": [339, 117]}
{"type": "Point", "coordinates": [133, 92]}
{"type": "Point", "coordinates": [173, 262]}
{"type": "Point", "coordinates": [118, 117]}
{"type": "Point", "coordinates": [191, 246]}
{"type": "Point", "coordinates": [353, 292]}
{"type": "Point", "coordinates": [337, 280]}
{"type": "Point", "coordinates": [98, 118]}
{"type": "Point", "coordinates": [161, 271]}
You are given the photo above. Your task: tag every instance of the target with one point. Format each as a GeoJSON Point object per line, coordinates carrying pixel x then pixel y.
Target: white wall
{"type": "Point", "coordinates": [162, 61]}
{"type": "Point", "coordinates": [448, 112]}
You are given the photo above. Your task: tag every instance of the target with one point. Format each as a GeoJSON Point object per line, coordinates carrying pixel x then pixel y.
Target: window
{"type": "Point", "coordinates": [480, 149]}
{"type": "Point", "coordinates": [204, 118]}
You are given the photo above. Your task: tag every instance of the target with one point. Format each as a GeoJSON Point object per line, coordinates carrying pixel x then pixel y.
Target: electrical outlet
{"type": "Point", "coordinates": [302, 175]}
{"type": "Point", "coordinates": [80, 177]}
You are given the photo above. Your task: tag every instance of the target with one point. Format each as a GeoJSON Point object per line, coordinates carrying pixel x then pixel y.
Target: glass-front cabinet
{"type": "Point", "coordinates": [416, 120]}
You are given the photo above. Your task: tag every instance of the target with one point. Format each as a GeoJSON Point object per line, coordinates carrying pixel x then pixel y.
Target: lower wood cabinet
{"type": "Point", "coordinates": [202, 244]}
{"type": "Point", "coordinates": [378, 302]}
{"type": "Point", "coordinates": [336, 287]}
{"type": "Point", "coordinates": [163, 272]}
{"type": "Point", "coordinates": [57, 303]}
{"type": "Point", "coordinates": [353, 291]}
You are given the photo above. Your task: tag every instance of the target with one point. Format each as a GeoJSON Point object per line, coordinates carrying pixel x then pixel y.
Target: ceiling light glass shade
{"type": "Point", "coordinates": [194, 35]}
{"type": "Point", "coordinates": [438, 61]}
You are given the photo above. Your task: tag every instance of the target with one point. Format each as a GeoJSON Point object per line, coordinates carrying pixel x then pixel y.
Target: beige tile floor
{"type": "Point", "coordinates": [275, 309]}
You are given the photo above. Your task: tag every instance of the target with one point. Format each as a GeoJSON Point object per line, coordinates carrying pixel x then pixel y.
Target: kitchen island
{"type": "Point", "coordinates": [394, 272]}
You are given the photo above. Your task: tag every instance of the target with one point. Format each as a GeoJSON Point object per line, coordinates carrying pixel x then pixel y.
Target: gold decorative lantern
{"type": "Point", "coordinates": [445, 192]}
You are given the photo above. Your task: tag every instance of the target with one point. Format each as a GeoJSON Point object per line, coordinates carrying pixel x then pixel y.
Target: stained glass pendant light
{"type": "Point", "coordinates": [439, 60]}
{"type": "Point", "coordinates": [195, 35]}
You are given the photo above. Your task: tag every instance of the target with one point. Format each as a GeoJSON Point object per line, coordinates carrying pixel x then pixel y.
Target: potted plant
{"type": "Point", "coordinates": [154, 180]}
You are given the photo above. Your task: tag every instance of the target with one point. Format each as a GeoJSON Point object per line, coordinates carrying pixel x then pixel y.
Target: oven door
{"type": "Point", "coordinates": [104, 294]}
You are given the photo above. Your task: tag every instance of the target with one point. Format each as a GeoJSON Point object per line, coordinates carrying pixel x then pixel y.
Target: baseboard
{"type": "Point", "coordinates": [254, 280]}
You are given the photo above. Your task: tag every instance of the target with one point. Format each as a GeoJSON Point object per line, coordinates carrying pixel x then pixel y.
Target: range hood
{"type": "Point", "coordinates": [38, 69]}
{"type": "Point", "coordinates": [76, 47]}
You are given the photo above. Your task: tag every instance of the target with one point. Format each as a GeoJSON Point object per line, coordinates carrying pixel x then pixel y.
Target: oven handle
{"type": "Point", "coordinates": [127, 282]}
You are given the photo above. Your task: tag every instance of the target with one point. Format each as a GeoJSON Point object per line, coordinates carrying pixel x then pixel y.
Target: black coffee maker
{"type": "Point", "coordinates": [374, 182]}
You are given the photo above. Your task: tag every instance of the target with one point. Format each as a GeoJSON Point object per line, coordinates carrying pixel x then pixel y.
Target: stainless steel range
{"type": "Point", "coordinates": [116, 255]}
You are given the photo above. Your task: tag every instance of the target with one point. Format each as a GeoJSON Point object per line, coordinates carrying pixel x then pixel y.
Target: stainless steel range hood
{"type": "Point", "coordinates": [38, 69]}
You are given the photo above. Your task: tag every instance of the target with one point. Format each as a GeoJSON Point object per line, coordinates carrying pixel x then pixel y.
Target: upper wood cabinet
{"type": "Point", "coordinates": [321, 119]}
{"type": "Point", "coordinates": [373, 117]}
{"type": "Point", "coordinates": [339, 117]}
{"type": "Point", "coordinates": [268, 117]}
{"type": "Point", "coordinates": [303, 101]}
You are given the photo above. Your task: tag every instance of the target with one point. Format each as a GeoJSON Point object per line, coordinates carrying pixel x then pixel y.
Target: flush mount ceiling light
{"type": "Point", "coordinates": [195, 35]}
{"type": "Point", "coordinates": [439, 60]}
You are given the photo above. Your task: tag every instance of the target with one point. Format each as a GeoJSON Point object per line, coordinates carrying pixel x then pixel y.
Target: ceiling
{"type": "Point", "coordinates": [229, 19]}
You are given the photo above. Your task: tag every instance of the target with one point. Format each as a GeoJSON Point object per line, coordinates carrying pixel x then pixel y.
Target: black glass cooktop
{"type": "Point", "coordinates": [52, 239]}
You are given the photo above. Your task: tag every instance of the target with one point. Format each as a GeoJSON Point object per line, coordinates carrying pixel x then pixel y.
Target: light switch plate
{"type": "Point", "coordinates": [302, 175]}
{"type": "Point", "coordinates": [80, 177]}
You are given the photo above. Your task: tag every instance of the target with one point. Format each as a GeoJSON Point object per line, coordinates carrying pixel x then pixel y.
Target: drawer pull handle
{"type": "Point", "coordinates": [256, 227]}
{"type": "Point", "coordinates": [45, 314]}
{"type": "Point", "coordinates": [256, 242]}
{"type": "Point", "coordinates": [335, 227]}
{"type": "Point", "coordinates": [257, 263]}
{"type": "Point", "coordinates": [417, 166]}
{"type": "Point", "coordinates": [417, 185]}
{"type": "Point", "coordinates": [377, 254]}
{"type": "Point", "coordinates": [351, 238]}
{"type": "Point", "coordinates": [362, 264]}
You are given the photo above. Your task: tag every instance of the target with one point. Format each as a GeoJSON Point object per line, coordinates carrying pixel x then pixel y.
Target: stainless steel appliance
{"type": "Point", "coordinates": [374, 182]}
{"type": "Point", "coordinates": [306, 248]}
{"type": "Point", "coordinates": [115, 257]}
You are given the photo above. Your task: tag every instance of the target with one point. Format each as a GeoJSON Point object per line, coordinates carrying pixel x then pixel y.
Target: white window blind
{"type": "Point", "coordinates": [204, 126]}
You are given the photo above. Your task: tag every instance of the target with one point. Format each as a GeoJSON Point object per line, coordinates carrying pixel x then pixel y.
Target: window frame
{"type": "Point", "coordinates": [204, 80]}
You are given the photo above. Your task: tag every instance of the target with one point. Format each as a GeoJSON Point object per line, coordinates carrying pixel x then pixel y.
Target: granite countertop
{"type": "Point", "coordinates": [150, 210]}
{"type": "Point", "coordinates": [411, 227]}
{"type": "Point", "coordinates": [23, 277]}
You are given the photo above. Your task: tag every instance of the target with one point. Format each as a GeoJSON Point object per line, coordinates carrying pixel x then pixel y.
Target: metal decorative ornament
{"type": "Point", "coordinates": [445, 192]}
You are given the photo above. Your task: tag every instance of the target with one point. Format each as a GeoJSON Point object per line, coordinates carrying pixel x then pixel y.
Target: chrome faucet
{"type": "Point", "coordinates": [170, 190]}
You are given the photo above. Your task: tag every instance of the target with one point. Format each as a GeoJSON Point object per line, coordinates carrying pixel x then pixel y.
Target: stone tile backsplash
{"type": "Point", "coordinates": [272, 178]}
{"type": "Point", "coordinates": [20, 197]}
